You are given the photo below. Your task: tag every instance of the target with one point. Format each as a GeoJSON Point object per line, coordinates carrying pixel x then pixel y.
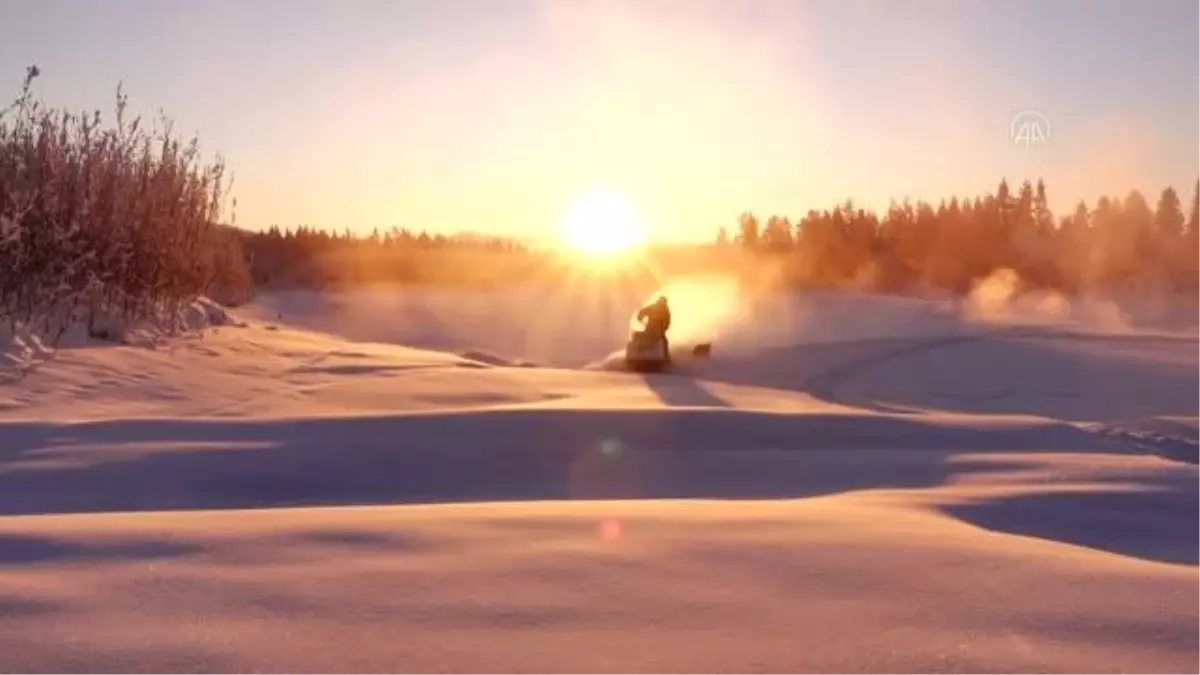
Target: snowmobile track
{"type": "Point", "coordinates": [825, 384]}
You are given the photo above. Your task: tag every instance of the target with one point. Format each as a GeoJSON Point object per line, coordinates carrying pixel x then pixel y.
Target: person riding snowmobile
{"type": "Point", "coordinates": [657, 317]}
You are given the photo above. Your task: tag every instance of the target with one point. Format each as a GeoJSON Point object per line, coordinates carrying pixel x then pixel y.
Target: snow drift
{"type": "Point", "coordinates": [852, 483]}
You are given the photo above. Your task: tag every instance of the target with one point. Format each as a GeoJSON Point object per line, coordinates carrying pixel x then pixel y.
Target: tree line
{"type": "Point", "coordinates": [1120, 243]}
{"type": "Point", "coordinates": [1117, 244]}
{"type": "Point", "coordinates": [308, 257]}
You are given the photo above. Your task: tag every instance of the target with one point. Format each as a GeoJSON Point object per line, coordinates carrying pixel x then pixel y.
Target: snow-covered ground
{"type": "Point", "coordinates": [433, 481]}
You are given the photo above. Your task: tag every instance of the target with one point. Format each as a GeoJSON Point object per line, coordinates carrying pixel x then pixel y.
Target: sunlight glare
{"type": "Point", "coordinates": [703, 306]}
{"type": "Point", "coordinates": [601, 224]}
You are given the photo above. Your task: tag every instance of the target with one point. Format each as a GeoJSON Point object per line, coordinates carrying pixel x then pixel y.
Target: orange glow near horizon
{"type": "Point", "coordinates": [424, 116]}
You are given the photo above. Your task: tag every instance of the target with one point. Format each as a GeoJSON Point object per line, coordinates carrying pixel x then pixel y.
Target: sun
{"type": "Point", "coordinates": [601, 224]}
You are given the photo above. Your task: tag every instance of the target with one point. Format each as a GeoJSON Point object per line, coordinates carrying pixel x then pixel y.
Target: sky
{"type": "Point", "coordinates": [494, 115]}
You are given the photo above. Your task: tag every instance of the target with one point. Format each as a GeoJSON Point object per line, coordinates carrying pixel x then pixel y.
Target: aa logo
{"type": "Point", "coordinates": [1029, 129]}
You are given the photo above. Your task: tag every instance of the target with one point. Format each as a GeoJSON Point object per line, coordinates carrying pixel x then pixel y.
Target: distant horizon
{"type": "Point", "coordinates": [450, 117]}
{"type": "Point", "coordinates": [1186, 198]}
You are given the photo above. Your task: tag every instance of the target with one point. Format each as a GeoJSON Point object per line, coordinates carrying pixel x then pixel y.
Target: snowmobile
{"type": "Point", "coordinates": [646, 352]}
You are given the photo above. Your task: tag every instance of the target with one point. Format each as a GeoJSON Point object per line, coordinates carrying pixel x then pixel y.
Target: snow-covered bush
{"type": "Point", "coordinates": [106, 226]}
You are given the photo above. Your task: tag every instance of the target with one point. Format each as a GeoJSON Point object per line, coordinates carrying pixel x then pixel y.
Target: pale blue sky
{"type": "Point", "coordinates": [496, 114]}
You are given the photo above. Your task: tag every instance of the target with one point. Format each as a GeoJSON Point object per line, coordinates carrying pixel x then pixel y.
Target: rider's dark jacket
{"type": "Point", "coordinates": [657, 318]}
